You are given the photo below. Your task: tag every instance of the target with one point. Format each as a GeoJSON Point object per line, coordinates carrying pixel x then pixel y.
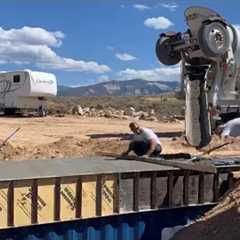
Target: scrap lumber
{"type": "Point", "coordinates": [207, 152]}
{"type": "Point", "coordinates": [215, 148]}
{"type": "Point", "coordinates": [187, 165]}
{"type": "Point", "coordinates": [9, 137]}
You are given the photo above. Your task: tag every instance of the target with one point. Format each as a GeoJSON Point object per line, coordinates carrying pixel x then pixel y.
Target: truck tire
{"type": "Point", "coordinates": [214, 39]}
{"type": "Point", "coordinates": [166, 55]}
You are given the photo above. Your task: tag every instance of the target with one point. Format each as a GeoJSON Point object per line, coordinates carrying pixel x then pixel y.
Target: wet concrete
{"type": "Point", "coordinates": [29, 169]}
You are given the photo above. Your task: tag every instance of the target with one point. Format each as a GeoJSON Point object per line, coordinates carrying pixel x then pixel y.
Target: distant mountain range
{"type": "Point", "coordinates": [135, 87]}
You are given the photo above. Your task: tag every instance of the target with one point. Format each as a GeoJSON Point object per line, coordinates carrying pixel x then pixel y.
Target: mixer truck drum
{"type": "Point", "coordinates": [165, 52]}
{"type": "Point", "coordinates": [214, 39]}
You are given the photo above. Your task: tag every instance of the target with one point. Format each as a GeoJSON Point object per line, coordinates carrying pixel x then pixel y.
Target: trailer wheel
{"type": "Point", "coordinates": [42, 112]}
{"type": "Point", "coordinates": [9, 111]}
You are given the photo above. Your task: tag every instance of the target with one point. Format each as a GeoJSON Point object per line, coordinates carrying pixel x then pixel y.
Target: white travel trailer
{"type": "Point", "coordinates": [26, 90]}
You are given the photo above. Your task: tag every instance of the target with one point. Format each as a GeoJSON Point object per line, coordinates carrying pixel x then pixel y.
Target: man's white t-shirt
{"type": "Point", "coordinates": [231, 128]}
{"type": "Point", "coordinates": [146, 135]}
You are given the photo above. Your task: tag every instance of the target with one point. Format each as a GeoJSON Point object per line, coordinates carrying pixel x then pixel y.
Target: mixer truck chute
{"type": "Point", "coordinates": [209, 54]}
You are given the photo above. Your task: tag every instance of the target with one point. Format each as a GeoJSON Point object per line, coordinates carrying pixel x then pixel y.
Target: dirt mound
{"type": "Point", "coordinates": [65, 147]}
{"type": "Point", "coordinates": [9, 151]}
{"type": "Point", "coordinates": [231, 149]}
{"type": "Point", "coordinates": [73, 147]}
{"type": "Point", "coordinates": [222, 222]}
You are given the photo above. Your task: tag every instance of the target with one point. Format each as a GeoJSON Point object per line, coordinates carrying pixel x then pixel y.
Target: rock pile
{"type": "Point", "coordinates": [174, 118]}
{"type": "Point", "coordinates": [113, 113]}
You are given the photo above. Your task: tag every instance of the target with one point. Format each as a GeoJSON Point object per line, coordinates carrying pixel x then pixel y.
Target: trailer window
{"type": "Point", "coordinates": [16, 78]}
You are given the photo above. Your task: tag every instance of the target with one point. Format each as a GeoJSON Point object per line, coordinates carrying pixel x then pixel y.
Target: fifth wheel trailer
{"type": "Point", "coordinates": [26, 90]}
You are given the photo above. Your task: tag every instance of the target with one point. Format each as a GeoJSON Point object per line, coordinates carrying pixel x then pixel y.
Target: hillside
{"type": "Point", "coordinates": [135, 87]}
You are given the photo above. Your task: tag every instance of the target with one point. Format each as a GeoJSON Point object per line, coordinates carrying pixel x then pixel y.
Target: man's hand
{"type": "Point", "coordinates": [125, 153]}
{"type": "Point", "coordinates": [128, 151]}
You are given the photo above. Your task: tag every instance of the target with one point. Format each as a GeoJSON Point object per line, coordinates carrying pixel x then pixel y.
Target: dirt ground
{"type": "Point", "coordinates": [63, 137]}
{"type": "Point", "coordinates": [222, 222]}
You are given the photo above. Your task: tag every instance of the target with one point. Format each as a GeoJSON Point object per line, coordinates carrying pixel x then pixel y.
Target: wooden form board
{"type": "Point", "coordinates": [181, 164]}
{"type": "Point", "coordinates": [90, 191]}
{"type": "Point", "coordinates": [45, 205]}
{"type": "Point", "coordinates": [68, 197]}
{"type": "Point", "coordinates": [22, 205]}
{"type": "Point", "coordinates": [3, 204]}
{"type": "Point", "coordinates": [36, 201]}
{"type": "Point", "coordinates": [89, 197]}
{"type": "Point", "coordinates": [49, 206]}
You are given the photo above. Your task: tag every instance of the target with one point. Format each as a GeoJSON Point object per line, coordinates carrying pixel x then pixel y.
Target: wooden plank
{"type": "Point", "coordinates": [170, 187]}
{"type": "Point", "coordinates": [10, 204]}
{"type": "Point", "coordinates": [215, 148]}
{"type": "Point", "coordinates": [184, 164]}
{"type": "Point", "coordinates": [34, 200]}
{"type": "Point", "coordinates": [78, 200]}
{"type": "Point", "coordinates": [116, 193]}
{"type": "Point", "coordinates": [215, 187]}
{"type": "Point", "coordinates": [186, 189]}
{"type": "Point", "coordinates": [153, 190]}
{"type": "Point", "coordinates": [57, 199]}
{"type": "Point", "coordinates": [136, 192]}
{"type": "Point", "coordinates": [99, 196]}
{"type": "Point", "coordinates": [230, 180]}
{"type": "Point", "coordinates": [201, 188]}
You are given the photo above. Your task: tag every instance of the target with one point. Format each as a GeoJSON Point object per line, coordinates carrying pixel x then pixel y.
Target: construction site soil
{"type": "Point", "coordinates": [73, 137]}
{"type": "Point", "coordinates": [222, 222]}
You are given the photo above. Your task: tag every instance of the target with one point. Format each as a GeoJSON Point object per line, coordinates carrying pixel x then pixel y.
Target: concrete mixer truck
{"type": "Point", "coordinates": [209, 55]}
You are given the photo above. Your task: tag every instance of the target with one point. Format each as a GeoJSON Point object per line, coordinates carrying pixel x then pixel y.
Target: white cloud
{"type": "Point", "coordinates": [103, 78]}
{"type": "Point", "coordinates": [34, 45]}
{"type": "Point", "coordinates": [72, 65]}
{"type": "Point", "coordinates": [171, 6]}
{"type": "Point", "coordinates": [141, 7]}
{"type": "Point", "coordinates": [32, 36]}
{"type": "Point", "coordinates": [155, 74]}
{"type": "Point", "coordinates": [125, 56]}
{"type": "Point", "coordinates": [158, 23]}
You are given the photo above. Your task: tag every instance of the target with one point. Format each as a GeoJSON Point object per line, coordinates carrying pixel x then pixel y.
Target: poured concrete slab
{"type": "Point", "coordinates": [29, 169]}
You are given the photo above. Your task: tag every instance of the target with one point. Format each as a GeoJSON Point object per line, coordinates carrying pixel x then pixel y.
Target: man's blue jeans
{"type": "Point", "coordinates": [140, 148]}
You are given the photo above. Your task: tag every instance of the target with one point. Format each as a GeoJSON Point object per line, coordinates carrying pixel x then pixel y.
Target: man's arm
{"type": "Point", "coordinates": [128, 151]}
{"type": "Point", "coordinates": [152, 147]}
{"type": "Point", "coordinates": [225, 133]}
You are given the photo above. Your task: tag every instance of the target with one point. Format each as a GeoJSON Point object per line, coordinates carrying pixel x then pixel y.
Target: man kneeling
{"type": "Point", "coordinates": [145, 142]}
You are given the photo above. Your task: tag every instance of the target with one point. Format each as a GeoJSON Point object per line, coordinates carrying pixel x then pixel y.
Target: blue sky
{"type": "Point", "coordinates": [84, 42]}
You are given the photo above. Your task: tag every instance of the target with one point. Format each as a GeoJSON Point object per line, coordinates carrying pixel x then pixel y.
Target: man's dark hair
{"type": "Point", "coordinates": [133, 125]}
